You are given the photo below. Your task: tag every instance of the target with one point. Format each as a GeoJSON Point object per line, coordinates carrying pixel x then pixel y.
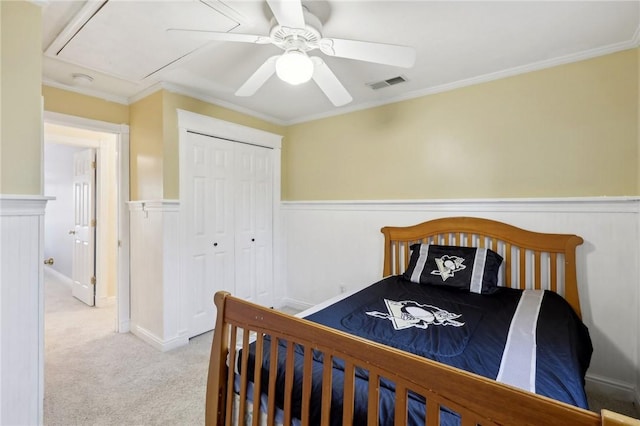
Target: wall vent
{"type": "Point", "coordinates": [386, 83]}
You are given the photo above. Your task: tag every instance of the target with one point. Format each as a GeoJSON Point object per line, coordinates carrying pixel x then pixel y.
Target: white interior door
{"type": "Point", "coordinates": [84, 188]}
{"type": "Point", "coordinates": [210, 226]}
{"type": "Point", "coordinates": [254, 219]}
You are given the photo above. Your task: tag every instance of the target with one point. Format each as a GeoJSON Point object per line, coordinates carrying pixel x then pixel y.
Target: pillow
{"type": "Point", "coordinates": [466, 268]}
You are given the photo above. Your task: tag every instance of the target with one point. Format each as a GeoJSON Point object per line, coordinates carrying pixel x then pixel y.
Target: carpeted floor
{"type": "Point", "coordinates": [94, 376]}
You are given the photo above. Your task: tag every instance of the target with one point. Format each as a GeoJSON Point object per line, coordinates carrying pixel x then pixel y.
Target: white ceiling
{"type": "Point", "coordinates": [125, 47]}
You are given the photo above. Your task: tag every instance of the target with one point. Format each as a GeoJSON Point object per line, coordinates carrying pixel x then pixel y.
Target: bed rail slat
{"type": "Point", "coordinates": [407, 257]}
{"type": "Point", "coordinates": [432, 416]}
{"type": "Point", "coordinates": [507, 264]}
{"type": "Point", "coordinates": [347, 399]}
{"type": "Point", "coordinates": [522, 268]}
{"type": "Point", "coordinates": [373, 399]}
{"type": "Point", "coordinates": [327, 383]}
{"type": "Point", "coordinates": [553, 271]}
{"type": "Point", "coordinates": [232, 355]}
{"type": "Point", "coordinates": [537, 270]}
{"type": "Point", "coordinates": [257, 379]}
{"type": "Point", "coordinates": [400, 405]}
{"type": "Point", "coordinates": [288, 382]}
{"type": "Point", "coordinates": [273, 369]}
{"type": "Point", "coordinates": [306, 384]}
{"type": "Point", "coordinates": [243, 377]}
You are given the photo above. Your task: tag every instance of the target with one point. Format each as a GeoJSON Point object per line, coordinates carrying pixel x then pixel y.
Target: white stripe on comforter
{"type": "Point", "coordinates": [518, 365]}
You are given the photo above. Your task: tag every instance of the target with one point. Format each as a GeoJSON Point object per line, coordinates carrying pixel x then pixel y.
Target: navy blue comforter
{"type": "Point", "coordinates": [461, 329]}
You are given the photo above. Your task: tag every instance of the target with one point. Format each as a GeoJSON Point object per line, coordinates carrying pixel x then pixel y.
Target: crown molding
{"type": "Point", "coordinates": [181, 90]}
{"type": "Point", "coordinates": [634, 42]}
{"type": "Point", "coordinates": [87, 92]}
{"type": "Point", "coordinates": [535, 66]}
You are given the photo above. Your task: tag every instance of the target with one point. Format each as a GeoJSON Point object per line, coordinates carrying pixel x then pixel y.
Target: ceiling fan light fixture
{"type": "Point", "coordinates": [294, 67]}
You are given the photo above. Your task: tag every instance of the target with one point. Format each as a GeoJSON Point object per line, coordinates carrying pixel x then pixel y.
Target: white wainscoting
{"type": "Point", "coordinates": [333, 244]}
{"type": "Point", "coordinates": [21, 309]}
{"type": "Point", "coordinates": [156, 298]}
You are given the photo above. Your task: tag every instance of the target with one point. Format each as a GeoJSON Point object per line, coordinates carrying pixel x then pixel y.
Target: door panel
{"type": "Point", "coordinates": [209, 206]}
{"type": "Point", "coordinates": [83, 266]}
{"type": "Point", "coordinates": [245, 228]}
{"type": "Point", "coordinates": [263, 214]}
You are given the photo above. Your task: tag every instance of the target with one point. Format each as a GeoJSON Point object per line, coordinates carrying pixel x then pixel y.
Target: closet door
{"type": "Point", "coordinates": [229, 221]}
{"type": "Point", "coordinates": [210, 239]}
{"type": "Point", "coordinates": [254, 218]}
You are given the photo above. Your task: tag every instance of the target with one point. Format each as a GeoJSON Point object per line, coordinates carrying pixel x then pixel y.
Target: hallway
{"type": "Point", "coordinates": [96, 376]}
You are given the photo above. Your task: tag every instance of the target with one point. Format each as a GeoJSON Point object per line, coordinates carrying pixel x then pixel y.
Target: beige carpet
{"type": "Point", "coordinates": [94, 376]}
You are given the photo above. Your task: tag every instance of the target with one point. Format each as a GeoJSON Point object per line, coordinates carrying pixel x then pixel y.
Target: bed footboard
{"type": "Point", "coordinates": [474, 399]}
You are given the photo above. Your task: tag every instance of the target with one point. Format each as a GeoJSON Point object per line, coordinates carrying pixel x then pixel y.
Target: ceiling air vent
{"type": "Point", "coordinates": [386, 83]}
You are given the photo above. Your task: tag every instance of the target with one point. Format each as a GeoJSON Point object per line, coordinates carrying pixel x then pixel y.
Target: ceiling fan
{"type": "Point", "coordinates": [297, 31]}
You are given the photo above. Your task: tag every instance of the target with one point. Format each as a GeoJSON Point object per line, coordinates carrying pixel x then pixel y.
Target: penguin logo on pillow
{"type": "Point", "coordinates": [448, 266]}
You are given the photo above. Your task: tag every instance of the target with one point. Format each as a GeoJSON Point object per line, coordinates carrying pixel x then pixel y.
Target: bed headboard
{"type": "Point", "coordinates": [532, 260]}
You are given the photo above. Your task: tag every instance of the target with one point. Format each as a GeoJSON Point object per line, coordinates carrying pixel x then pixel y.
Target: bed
{"type": "Point", "coordinates": [410, 350]}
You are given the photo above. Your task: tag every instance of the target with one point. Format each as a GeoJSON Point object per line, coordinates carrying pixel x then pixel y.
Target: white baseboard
{"type": "Point", "coordinates": [104, 302]}
{"type": "Point", "coordinates": [297, 304]}
{"type": "Point", "coordinates": [612, 388]}
{"type": "Point", "coordinates": [59, 276]}
{"type": "Point", "coordinates": [124, 326]}
{"type": "Point", "coordinates": [156, 342]}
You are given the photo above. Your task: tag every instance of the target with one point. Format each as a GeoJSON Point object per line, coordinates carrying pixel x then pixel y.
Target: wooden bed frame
{"type": "Point", "coordinates": [532, 260]}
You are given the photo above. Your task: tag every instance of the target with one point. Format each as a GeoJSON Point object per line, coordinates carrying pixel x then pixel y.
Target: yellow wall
{"type": "Point", "coordinates": [146, 148]}
{"type": "Point", "coordinates": [21, 117]}
{"type": "Point", "coordinates": [570, 130]}
{"type": "Point", "coordinates": [154, 141]}
{"type": "Point", "coordinates": [71, 103]}
{"type": "Point", "coordinates": [173, 102]}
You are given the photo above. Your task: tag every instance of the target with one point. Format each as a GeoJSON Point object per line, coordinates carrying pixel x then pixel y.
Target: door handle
{"type": "Point", "coordinates": [72, 232]}
{"type": "Point", "coordinates": [49, 261]}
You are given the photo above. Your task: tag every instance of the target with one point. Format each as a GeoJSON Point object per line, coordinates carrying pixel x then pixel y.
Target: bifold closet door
{"type": "Point", "coordinates": [229, 211]}
{"type": "Point", "coordinates": [210, 239]}
{"type": "Point", "coordinates": [254, 218]}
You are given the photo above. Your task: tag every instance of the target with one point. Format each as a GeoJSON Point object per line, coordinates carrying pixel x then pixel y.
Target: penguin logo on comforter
{"type": "Point", "coordinates": [406, 314]}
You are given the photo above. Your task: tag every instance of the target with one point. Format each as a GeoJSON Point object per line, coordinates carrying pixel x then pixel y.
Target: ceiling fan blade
{"type": "Point", "coordinates": [288, 13]}
{"type": "Point", "coordinates": [220, 36]}
{"type": "Point", "coordinates": [381, 53]}
{"type": "Point", "coordinates": [258, 78]}
{"type": "Point", "coordinates": [329, 83]}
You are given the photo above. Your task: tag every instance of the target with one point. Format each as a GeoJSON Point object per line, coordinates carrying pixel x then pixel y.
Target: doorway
{"type": "Point", "coordinates": [63, 136]}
